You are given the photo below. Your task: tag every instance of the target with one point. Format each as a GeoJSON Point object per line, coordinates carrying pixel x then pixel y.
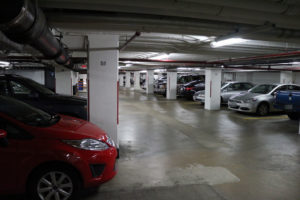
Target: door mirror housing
{"type": "Point", "coordinates": [3, 134]}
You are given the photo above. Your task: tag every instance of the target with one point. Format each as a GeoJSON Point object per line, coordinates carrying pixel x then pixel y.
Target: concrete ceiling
{"type": "Point", "coordinates": [180, 30]}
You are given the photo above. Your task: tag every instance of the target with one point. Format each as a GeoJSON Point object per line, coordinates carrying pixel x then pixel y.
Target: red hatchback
{"type": "Point", "coordinates": [51, 156]}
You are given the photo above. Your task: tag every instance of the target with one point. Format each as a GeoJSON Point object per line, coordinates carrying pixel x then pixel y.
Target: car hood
{"type": "Point", "coordinates": [70, 128]}
{"type": "Point", "coordinates": [246, 95]}
{"type": "Point", "coordinates": [68, 99]}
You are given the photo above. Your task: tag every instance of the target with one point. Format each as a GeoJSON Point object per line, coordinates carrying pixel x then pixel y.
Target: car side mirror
{"type": "Point", "coordinates": [3, 134]}
{"type": "Point", "coordinates": [3, 139]}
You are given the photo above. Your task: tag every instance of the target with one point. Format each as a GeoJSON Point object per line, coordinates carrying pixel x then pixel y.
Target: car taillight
{"type": "Point", "coordinates": [189, 88]}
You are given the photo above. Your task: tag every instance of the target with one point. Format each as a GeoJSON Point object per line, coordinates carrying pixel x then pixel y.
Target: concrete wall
{"type": "Point", "coordinates": [63, 79]}
{"type": "Point", "coordinates": [36, 75]}
{"type": "Point", "coordinates": [296, 77]}
{"type": "Point", "coordinates": [258, 77]}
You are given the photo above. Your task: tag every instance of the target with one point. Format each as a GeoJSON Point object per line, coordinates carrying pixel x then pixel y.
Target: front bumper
{"type": "Point", "coordinates": [241, 106]}
{"type": "Point", "coordinates": [96, 167]}
{"type": "Point", "coordinates": [199, 98]}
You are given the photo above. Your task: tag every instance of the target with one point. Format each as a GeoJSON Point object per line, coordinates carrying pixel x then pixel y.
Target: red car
{"type": "Point", "coordinates": [51, 156]}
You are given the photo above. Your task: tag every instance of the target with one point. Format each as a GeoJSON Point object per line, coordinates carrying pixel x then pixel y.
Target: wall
{"type": "Point", "coordinates": [63, 79]}
{"type": "Point", "coordinates": [36, 75]}
{"type": "Point", "coordinates": [258, 77]}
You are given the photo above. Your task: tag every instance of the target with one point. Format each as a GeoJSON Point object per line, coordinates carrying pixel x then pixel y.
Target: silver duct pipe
{"type": "Point", "coordinates": [23, 22]}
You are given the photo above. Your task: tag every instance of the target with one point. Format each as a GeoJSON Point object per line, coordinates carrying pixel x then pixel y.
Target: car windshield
{"type": "Point", "coordinates": [26, 113]}
{"type": "Point", "coordinates": [224, 85]}
{"type": "Point", "coordinates": [40, 88]}
{"type": "Point", "coordinates": [262, 89]}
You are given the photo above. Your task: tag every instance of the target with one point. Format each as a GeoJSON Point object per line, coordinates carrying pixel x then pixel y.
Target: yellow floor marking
{"type": "Point", "coordinates": [269, 117]}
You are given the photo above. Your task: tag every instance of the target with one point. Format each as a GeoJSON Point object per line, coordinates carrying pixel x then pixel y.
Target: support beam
{"type": "Point", "coordinates": [103, 76]}
{"type": "Point", "coordinates": [150, 81]}
{"type": "Point", "coordinates": [286, 77]}
{"type": "Point", "coordinates": [127, 83]}
{"type": "Point", "coordinates": [212, 89]}
{"type": "Point", "coordinates": [171, 85]}
{"type": "Point", "coordinates": [137, 85]}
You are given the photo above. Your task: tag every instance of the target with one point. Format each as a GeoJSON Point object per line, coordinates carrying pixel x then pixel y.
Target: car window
{"type": "Point", "coordinates": [281, 88]}
{"type": "Point", "coordinates": [263, 89]}
{"type": "Point", "coordinates": [246, 86]}
{"type": "Point", "coordinates": [19, 89]}
{"type": "Point", "coordinates": [3, 87]}
{"type": "Point", "coordinates": [293, 88]}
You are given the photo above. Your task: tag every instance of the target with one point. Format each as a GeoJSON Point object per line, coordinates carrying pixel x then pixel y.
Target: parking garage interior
{"type": "Point", "coordinates": [169, 99]}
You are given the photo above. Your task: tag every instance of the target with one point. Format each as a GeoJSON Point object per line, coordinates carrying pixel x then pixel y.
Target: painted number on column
{"type": "Point", "coordinates": [102, 63]}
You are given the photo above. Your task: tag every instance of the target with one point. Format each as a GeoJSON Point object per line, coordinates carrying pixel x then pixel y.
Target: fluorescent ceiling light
{"type": "Point", "coordinates": [159, 70]}
{"type": "Point", "coordinates": [128, 65]}
{"type": "Point", "coordinates": [295, 63]}
{"type": "Point", "coordinates": [200, 37]}
{"type": "Point", "coordinates": [143, 71]}
{"type": "Point", "coordinates": [4, 64]}
{"type": "Point", "coordinates": [229, 41]}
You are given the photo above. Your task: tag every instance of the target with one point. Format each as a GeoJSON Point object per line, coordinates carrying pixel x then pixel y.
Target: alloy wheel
{"type": "Point", "coordinates": [55, 186]}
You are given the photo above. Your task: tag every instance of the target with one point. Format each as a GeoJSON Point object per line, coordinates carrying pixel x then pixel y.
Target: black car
{"type": "Point", "coordinates": [39, 96]}
{"type": "Point", "coordinates": [189, 89]}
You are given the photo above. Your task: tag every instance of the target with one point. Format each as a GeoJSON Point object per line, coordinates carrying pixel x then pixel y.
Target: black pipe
{"type": "Point", "coordinates": [23, 22]}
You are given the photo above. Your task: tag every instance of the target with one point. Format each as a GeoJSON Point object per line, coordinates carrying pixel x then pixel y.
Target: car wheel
{"type": "Point", "coordinates": [263, 109]}
{"type": "Point", "coordinates": [293, 116]}
{"type": "Point", "coordinates": [57, 183]}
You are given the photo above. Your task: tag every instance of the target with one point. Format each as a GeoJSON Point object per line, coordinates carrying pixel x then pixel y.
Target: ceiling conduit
{"type": "Point", "coordinates": [23, 22]}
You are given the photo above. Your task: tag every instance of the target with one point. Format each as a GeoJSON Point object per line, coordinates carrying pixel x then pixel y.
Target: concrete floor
{"type": "Point", "coordinates": [176, 149]}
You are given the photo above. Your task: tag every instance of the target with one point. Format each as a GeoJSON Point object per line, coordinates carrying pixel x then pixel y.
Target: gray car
{"type": "Point", "coordinates": [228, 89]}
{"type": "Point", "coordinates": [259, 99]}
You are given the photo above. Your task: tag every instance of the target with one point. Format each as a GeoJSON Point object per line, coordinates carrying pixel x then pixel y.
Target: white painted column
{"type": "Point", "coordinates": [286, 77]}
{"type": "Point", "coordinates": [149, 81]}
{"type": "Point", "coordinates": [171, 85]}
{"type": "Point", "coordinates": [127, 83]}
{"type": "Point", "coordinates": [137, 81]}
{"type": "Point", "coordinates": [63, 81]}
{"type": "Point", "coordinates": [212, 89]}
{"type": "Point", "coordinates": [103, 77]}
{"type": "Point", "coordinates": [121, 80]}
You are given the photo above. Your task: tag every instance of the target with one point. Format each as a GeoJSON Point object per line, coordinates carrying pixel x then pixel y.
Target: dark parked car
{"type": "Point", "coordinates": [39, 96]}
{"type": "Point", "coordinates": [184, 79]}
{"type": "Point", "coordinates": [188, 90]}
{"type": "Point", "coordinates": [51, 156]}
{"type": "Point", "coordinates": [160, 85]}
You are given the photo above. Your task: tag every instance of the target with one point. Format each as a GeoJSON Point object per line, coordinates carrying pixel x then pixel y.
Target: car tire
{"type": "Point", "coordinates": [60, 182]}
{"type": "Point", "coordinates": [263, 109]}
{"type": "Point", "coordinates": [293, 116]}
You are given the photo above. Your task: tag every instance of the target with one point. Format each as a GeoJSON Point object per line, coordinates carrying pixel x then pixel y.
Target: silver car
{"type": "Point", "coordinates": [228, 90]}
{"type": "Point", "coordinates": [259, 99]}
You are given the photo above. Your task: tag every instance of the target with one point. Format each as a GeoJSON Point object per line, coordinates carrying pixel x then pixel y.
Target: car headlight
{"type": "Point", "coordinates": [250, 100]}
{"type": "Point", "coordinates": [110, 141]}
{"type": "Point", "coordinates": [88, 144]}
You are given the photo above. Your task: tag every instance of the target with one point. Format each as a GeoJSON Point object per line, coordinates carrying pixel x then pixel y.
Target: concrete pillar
{"type": "Point", "coordinates": [121, 80]}
{"type": "Point", "coordinates": [171, 85]}
{"type": "Point", "coordinates": [103, 77]}
{"type": "Point", "coordinates": [149, 81]}
{"type": "Point", "coordinates": [286, 77]}
{"type": "Point", "coordinates": [63, 81]}
{"type": "Point", "coordinates": [137, 81]}
{"type": "Point", "coordinates": [127, 83]}
{"type": "Point", "coordinates": [212, 89]}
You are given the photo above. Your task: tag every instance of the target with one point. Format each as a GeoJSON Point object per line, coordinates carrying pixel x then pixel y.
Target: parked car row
{"type": "Point", "coordinates": [59, 154]}
{"type": "Point", "coordinates": [160, 85]}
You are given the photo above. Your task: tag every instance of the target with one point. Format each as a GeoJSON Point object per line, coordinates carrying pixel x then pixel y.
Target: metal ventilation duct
{"type": "Point", "coordinates": [23, 22]}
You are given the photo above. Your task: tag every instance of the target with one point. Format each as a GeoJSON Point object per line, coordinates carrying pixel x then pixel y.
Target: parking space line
{"type": "Point", "coordinates": [269, 117]}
